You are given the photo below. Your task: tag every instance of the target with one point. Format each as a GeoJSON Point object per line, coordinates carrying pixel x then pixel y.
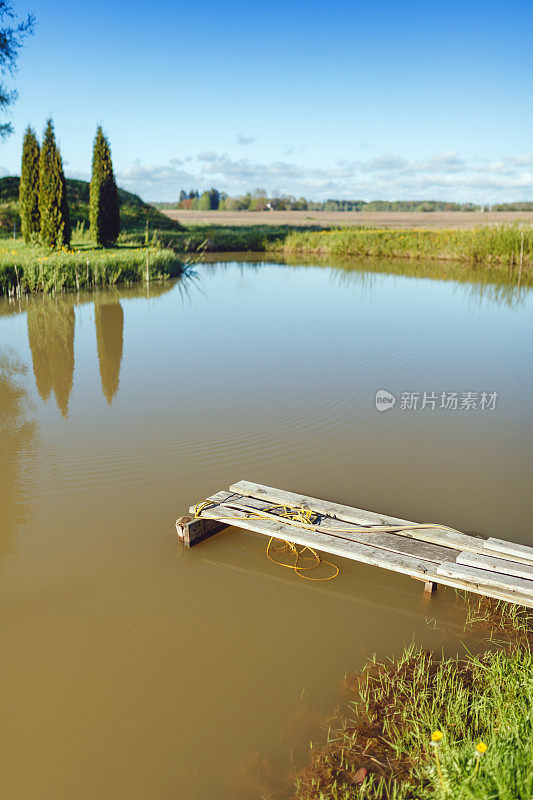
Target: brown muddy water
{"type": "Point", "coordinates": [132, 669]}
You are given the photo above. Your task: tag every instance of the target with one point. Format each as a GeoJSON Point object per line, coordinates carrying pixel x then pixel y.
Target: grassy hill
{"type": "Point", "coordinates": [134, 212]}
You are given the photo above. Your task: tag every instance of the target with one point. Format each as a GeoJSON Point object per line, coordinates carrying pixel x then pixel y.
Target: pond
{"type": "Point", "coordinates": [132, 668]}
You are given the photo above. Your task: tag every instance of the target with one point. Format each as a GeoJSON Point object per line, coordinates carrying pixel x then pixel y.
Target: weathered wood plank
{"type": "Point", "coordinates": [321, 506]}
{"type": "Point", "coordinates": [349, 531]}
{"type": "Point", "coordinates": [438, 536]}
{"type": "Point", "coordinates": [483, 577]}
{"type": "Point", "coordinates": [509, 549]}
{"type": "Point", "coordinates": [496, 564]}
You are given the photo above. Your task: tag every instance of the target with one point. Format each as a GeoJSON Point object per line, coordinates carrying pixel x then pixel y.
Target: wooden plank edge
{"type": "Point", "coordinates": [483, 577]}
{"type": "Point", "coordinates": [509, 550]}
{"type": "Point", "coordinates": [495, 564]}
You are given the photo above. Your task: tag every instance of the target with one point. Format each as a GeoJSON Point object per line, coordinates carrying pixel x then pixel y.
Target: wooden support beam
{"type": "Point", "coordinates": [430, 587]}
{"type": "Point", "coordinates": [192, 531]}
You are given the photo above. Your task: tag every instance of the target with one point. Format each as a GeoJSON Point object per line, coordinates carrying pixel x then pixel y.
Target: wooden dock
{"type": "Point", "coordinates": [431, 553]}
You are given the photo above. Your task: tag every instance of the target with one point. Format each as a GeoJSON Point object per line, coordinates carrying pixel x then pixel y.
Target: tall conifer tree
{"type": "Point", "coordinates": [104, 211]}
{"type": "Point", "coordinates": [53, 205]}
{"type": "Point", "coordinates": [29, 186]}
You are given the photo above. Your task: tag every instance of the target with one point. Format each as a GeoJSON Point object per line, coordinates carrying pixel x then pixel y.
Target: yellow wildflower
{"type": "Point", "coordinates": [481, 747]}
{"type": "Point", "coordinates": [436, 736]}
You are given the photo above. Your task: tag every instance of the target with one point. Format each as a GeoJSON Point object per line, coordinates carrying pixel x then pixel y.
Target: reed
{"type": "Point", "coordinates": [502, 245]}
{"type": "Point", "coordinates": [33, 268]}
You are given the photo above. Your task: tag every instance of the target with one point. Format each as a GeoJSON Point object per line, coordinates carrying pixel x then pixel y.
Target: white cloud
{"type": "Point", "coordinates": [244, 139]}
{"type": "Point", "coordinates": [446, 176]}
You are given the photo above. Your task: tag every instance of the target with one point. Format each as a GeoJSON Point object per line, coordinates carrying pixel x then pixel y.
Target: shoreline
{"type": "Point", "coordinates": [420, 726]}
{"type": "Point", "coordinates": [504, 251]}
{"type": "Point", "coordinates": [33, 269]}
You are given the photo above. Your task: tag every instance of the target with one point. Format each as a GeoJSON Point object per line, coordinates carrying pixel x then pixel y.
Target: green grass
{"type": "Point", "coordinates": [497, 247]}
{"type": "Point", "coordinates": [34, 268]}
{"type": "Point", "coordinates": [498, 244]}
{"type": "Point", "coordinates": [219, 238]}
{"type": "Point", "coordinates": [396, 705]}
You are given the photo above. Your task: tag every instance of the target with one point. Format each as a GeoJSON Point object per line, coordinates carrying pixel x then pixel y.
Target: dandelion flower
{"type": "Point", "coordinates": [481, 747]}
{"type": "Point", "coordinates": [436, 736]}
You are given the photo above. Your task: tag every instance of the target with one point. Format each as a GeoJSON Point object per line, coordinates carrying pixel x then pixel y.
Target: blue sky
{"type": "Point", "coordinates": [362, 100]}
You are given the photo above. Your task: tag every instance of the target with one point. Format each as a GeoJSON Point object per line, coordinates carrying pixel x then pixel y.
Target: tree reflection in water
{"type": "Point", "coordinates": [109, 319]}
{"type": "Point", "coordinates": [51, 338]}
{"type": "Point", "coordinates": [17, 438]}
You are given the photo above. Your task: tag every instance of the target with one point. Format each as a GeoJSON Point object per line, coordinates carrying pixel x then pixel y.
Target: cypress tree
{"type": "Point", "coordinates": [104, 209]}
{"type": "Point", "coordinates": [29, 186]}
{"type": "Point", "coordinates": [53, 205]}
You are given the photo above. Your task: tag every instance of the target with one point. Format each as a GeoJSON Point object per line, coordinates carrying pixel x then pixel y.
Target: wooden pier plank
{"type": "Point", "coordinates": [509, 549]}
{"type": "Point", "coordinates": [283, 497]}
{"type": "Point", "coordinates": [495, 564]}
{"type": "Point", "coordinates": [439, 536]}
{"type": "Point", "coordinates": [345, 530]}
{"type": "Point", "coordinates": [484, 577]}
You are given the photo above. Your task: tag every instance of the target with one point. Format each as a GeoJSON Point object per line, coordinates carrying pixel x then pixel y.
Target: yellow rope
{"type": "Point", "coordinates": [307, 517]}
{"type": "Point", "coordinates": [199, 507]}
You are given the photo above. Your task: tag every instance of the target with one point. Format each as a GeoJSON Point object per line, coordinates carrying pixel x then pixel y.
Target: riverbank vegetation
{"type": "Point", "coordinates": [33, 268]}
{"type": "Point", "coordinates": [498, 247]}
{"type": "Point", "coordinates": [502, 253]}
{"type": "Point", "coordinates": [422, 727]}
{"type": "Point", "coordinates": [43, 207]}
{"type": "Point", "coordinates": [112, 216]}
{"type": "Point", "coordinates": [494, 244]}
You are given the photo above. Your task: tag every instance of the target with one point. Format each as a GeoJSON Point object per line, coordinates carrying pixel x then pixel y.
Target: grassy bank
{"type": "Point", "coordinates": [424, 727]}
{"type": "Point", "coordinates": [501, 245]}
{"type": "Point", "coordinates": [219, 238]}
{"type": "Point", "coordinates": [33, 268]}
{"type": "Point", "coordinates": [496, 246]}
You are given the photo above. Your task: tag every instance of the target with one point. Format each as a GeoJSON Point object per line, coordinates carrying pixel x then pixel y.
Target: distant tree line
{"type": "Point", "coordinates": [207, 201]}
{"type": "Point", "coordinates": [260, 200]}
{"type": "Point", "coordinates": [44, 210]}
